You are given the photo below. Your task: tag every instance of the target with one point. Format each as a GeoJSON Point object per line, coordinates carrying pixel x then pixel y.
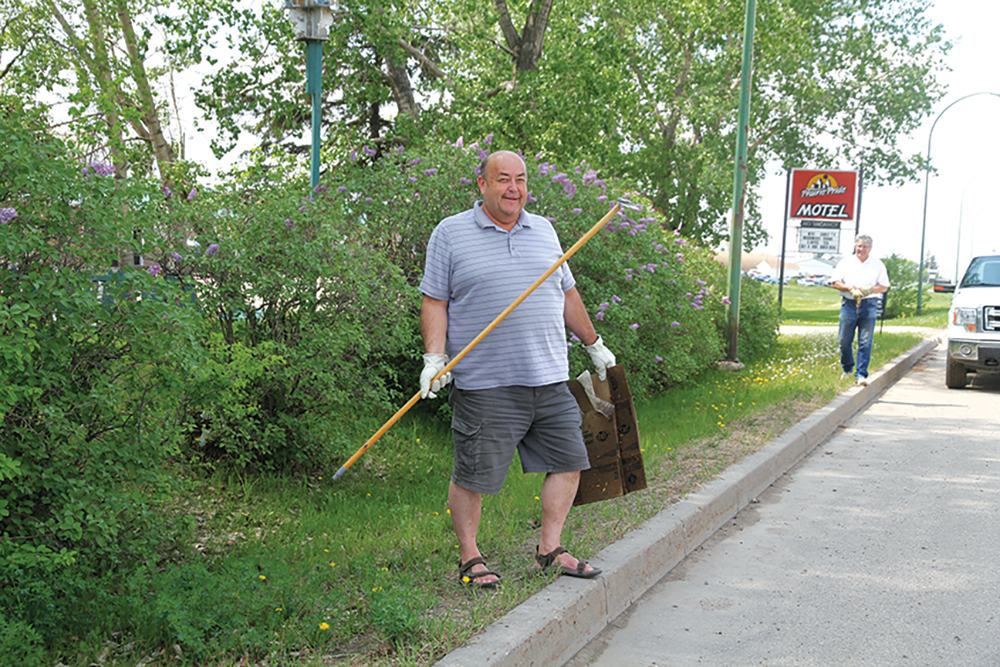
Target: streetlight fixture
{"type": "Point", "coordinates": [311, 21]}
{"type": "Point", "coordinates": [927, 178]}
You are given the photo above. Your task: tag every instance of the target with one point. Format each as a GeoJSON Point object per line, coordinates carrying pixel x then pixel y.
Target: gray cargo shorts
{"type": "Point", "coordinates": [489, 425]}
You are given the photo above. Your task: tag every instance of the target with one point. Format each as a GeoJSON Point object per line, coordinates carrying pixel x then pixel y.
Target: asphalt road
{"type": "Point", "coordinates": [882, 547]}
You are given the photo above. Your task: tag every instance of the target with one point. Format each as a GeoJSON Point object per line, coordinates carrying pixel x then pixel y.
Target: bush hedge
{"type": "Point", "coordinates": [267, 327]}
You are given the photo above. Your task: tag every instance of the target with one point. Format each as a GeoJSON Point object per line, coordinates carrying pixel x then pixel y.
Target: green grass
{"type": "Point", "coordinates": [302, 570]}
{"type": "Point", "coordinates": [821, 305]}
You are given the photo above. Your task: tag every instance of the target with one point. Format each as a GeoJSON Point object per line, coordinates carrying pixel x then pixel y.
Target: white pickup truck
{"type": "Point", "coordinates": [974, 323]}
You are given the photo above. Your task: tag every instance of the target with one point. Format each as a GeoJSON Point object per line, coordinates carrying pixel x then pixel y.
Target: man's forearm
{"type": "Point", "coordinates": [577, 318]}
{"type": "Point", "coordinates": [434, 325]}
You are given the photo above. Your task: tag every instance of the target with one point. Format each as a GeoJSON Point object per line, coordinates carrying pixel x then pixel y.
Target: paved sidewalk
{"type": "Point", "coordinates": [549, 628]}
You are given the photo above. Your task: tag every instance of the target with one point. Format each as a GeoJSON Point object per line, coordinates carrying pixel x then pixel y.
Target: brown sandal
{"type": "Point", "coordinates": [467, 576]}
{"type": "Point", "coordinates": [546, 561]}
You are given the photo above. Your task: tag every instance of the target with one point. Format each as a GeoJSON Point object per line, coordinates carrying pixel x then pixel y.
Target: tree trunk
{"type": "Point", "coordinates": [162, 150]}
{"type": "Point", "coordinates": [533, 35]}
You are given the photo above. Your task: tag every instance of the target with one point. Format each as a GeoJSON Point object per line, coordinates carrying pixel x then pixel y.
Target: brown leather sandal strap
{"type": "Point", "coordinates": [463, 568]}
{"type": "Point", "coordinates": [545, 560]}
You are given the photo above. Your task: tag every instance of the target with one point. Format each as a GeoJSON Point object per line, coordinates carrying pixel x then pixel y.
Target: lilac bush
{"type": "Point", "coordinates": [655, 297]}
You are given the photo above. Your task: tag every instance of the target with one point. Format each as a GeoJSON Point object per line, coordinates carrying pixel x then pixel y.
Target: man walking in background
{"type": "Point", "coordinates": [510, 391]}
{"type": "Point", "coordinates": [860, 278]}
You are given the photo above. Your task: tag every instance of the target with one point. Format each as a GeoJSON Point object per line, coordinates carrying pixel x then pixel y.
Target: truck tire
{"type": "Point", "coordinates": [954, 375]}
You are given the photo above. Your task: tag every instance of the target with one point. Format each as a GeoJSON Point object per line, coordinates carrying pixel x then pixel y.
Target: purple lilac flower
{"type": "Point", "coordinates": [590, 177]}
{"type": "Point", "coordinates": [368, 200]}
{"type": "Point", "coordinates": [430, 172]}
{"type": "Point", "coordinates": [212, 249]}
{"type": "Point", "coordinates": [6, 215]}
{"type": "Point", "coordinates": [319, 189]}
{"type": "Point", "coordinates": [288, 223]}
{"type": "Point", "coordinates": [657, 358]}
{"type": "Point", "coordinates": [353, 157]}
{"type": "Point", "coordinates": [674, 325]}
{"type": "Point", "coordinates": [167, 194]}
{"type": "Point", "coordinates": [370, 152]}
{"type": "Point", "coordinates": [192, 194]}
{"type": "Point", "coordinates": [573, 337]}
{"type": "Point", "coordinates": [680, 241]}
{"type": "Point", "coordinates": [602, 198]}
{"type": "Point", "coordinates": [154, 270]}
{"type": "Point", "coordinates": [629, 277]}
{"type": "Point", "coordinates": [489, 139]}
{"type": "Point", "coordinates": [102, 168]}
{"type": "Point", "coordinates": [459, 143]}
{"type": "Point", "coordinates": [633, 326]}
{"type": "Point", "coordinates": [599, 316]}
{"type": "Point", "coordinates": [538, 157]}
{"type": "Point", "coordinates": [577, 211]}
{"type": "Point", "coordinates": [415, 162]}
{"type": "Point", "coordinates": [570, 190]}
{"type": "Point", "coordinates": [615, 298]}
{"type": "Point", "coordinates": [399, 150]}
{"type": "Point", "coordinates": [700, 283]}
{"type": "Point", "coordinates": [531, 198]}
{"type": "Point", "coordinates": [726, 300]}
{"type": "Point", "coordinates": [604, 305]}
{"type": "Point", "coordinates": [177, 257]}
{"type": "Point", "coordinates": [465, 181]}
{"type": "Point", "coordinates": [413, 179]}
{"type": "Point", "coordinates": [483, 154]}
{"type": "Point", "coordinates": [342, 188]}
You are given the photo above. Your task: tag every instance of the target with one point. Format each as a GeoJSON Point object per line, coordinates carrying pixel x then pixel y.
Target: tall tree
{"type": "Point", "coordinates": [97, 60]}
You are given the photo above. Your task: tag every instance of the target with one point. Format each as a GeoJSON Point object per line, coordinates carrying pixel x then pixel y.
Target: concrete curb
{"type": "Point", "coordinates": [553, 625]}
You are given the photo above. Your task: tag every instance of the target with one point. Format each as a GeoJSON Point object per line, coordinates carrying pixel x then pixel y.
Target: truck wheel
{"type": "Point", "coordinates": [954, 376]}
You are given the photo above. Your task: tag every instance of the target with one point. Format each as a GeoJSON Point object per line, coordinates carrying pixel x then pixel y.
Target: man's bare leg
{"type": "Point", "coordinates": [466, 509]}
{"type": "Point", "coordinates": [558, 492]}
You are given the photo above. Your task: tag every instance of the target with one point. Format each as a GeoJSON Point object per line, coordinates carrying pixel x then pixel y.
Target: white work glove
{"type": "Point", "coordinates": [856, 293]}
{"type": "Point", "coordinates": [865, 291]}
{"type": "Point", "coordinates": [601, 356]}
{"type": "Point", "coordinates": [433, 364]}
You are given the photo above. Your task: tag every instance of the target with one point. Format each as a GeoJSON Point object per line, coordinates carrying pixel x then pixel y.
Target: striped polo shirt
{"type": "Point", "coordinates": [480, 269]}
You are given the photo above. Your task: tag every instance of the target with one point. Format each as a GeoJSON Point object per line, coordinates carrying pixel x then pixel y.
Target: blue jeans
{"type": "Point", "coordinates": [861, 318]}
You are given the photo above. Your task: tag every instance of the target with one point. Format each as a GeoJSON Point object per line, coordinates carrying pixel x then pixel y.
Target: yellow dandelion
{"type": "Point", "coordinates": [324, 626]}
{"type": "Point", "coordinates": [447, 511]}
{"type": "Point", "coordinates": [466, 579]}
{"type": "Point", "coordinates": [332, 564]}
{"type": "Point", "coordinates": [262, 577]}
{"type": "Point", "coordinates": [278, 609]}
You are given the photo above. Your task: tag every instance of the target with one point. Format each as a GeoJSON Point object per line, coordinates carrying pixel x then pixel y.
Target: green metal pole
{"type": "Point", "coordinates": [314, 86]}
{"type": "Point", "coordinates": [739, 185]}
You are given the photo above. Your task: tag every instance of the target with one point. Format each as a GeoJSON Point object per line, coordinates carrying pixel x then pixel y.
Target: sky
{"type": "Point", "coordinates": [964, 148]}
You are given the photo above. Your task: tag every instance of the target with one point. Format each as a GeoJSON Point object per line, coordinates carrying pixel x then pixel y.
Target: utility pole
{"type": "Point", "coordinates": [739, 186]}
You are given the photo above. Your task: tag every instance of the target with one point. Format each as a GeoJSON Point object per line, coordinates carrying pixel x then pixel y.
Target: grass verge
{"type": "Point", "coordinates": [303, 571]}
{"type": "Point", "coordinates": [814, 305]}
